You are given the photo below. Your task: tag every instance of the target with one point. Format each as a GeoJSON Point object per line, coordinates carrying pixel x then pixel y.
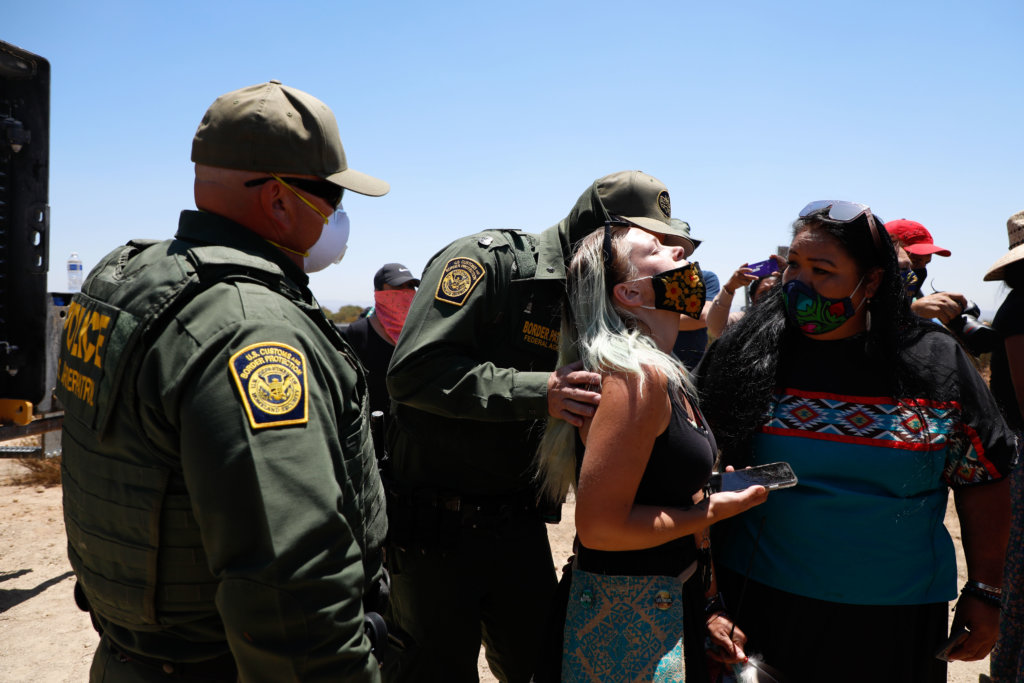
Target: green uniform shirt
{"type": "Point", "coordinates": [243, 418]}
{"type": "Point", "coordinates": [469, 374]}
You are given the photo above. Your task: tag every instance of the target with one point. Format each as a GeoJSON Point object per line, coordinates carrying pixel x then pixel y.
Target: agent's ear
{"type": "Point", "coordinates": [277, 210]}
{"type": "Point", "coordinates": [628, 294]}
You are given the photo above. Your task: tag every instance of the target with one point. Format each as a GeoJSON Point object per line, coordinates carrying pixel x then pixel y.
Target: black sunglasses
{"type": "Point", "coordinates": [324, 189]}
{"type": "Point", "coordinates": [606, 248]}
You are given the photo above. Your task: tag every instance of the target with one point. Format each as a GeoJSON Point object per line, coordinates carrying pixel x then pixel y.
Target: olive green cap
{"type": "Point", "coordinates": [276, 129]}
{"type": "Point", "coordinates": [684, 230]}
{"type": "Point", "coordinates": [639, 199]}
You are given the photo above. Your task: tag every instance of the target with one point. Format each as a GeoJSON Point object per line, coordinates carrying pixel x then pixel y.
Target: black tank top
{"type": "Point", "coordinates": [679, 466]}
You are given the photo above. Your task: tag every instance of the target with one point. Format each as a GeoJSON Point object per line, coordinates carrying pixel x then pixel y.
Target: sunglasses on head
{"type": "Point", "coordinates": [845, 212]}
{"type": "Point", "coordinates": [324, 189]}
{"type": "Point", "coordinates": [606, 249]}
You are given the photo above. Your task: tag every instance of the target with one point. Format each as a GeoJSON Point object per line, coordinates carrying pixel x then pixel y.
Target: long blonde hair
{"type": "Point", "coordinates": [608, 338]}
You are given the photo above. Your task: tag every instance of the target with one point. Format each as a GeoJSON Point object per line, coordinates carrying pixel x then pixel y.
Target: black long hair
{"type": "Point", "coordinates": [738, 375]}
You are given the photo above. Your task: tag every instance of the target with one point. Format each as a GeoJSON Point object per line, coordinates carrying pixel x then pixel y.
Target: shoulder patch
{"type": "Point", "coordinates": [271, 381]}
{"type": "Point", "coordinates": [459, 278]}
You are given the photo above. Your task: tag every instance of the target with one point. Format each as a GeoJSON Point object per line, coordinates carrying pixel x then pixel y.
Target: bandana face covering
{"type": "Point", "coordinates": [391, 307]}
{"type": "Point", "coordinates": [330, 247]}
{"type": "Point", "coordinates": [680, 290]}
{"type": "Point", "coordinates": [814, 313]}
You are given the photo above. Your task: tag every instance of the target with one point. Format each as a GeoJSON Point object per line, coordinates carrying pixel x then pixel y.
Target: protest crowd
{"type": "Point", "coordinates": [760, 461]}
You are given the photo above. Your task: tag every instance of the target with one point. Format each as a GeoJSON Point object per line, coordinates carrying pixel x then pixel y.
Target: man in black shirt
{"type": "Point", "coordinates": [373, 337]}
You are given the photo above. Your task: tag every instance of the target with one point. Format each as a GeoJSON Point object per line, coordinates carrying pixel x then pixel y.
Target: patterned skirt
{"type": "Point", "coordinates": [623, 628]}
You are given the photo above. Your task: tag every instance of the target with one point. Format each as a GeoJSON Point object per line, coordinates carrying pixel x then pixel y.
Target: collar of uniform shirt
{"type": "Point", "coordinates": [550, 263]}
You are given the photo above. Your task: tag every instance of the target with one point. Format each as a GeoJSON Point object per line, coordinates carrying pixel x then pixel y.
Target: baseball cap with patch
{"type": "Point", "coordinates": [914, 237]}
{"type": "Point", "coordinates": [639, 199]}
{"type": "Point", "coordinates": [276, 129]}
{"type": "Point", "coordinates": [394, 274]}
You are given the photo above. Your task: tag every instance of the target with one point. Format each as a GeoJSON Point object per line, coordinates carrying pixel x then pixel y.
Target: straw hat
{"type": "Point", "coordinates": [1015, 228]}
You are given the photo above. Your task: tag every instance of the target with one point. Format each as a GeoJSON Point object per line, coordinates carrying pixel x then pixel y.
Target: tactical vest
{"type": "Point", "coordinates": [132, 538]}
{"type": "Point", "coordinates": [521, 334]}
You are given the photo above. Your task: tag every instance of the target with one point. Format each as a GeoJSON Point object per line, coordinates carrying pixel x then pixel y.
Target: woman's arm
{"type": "Point", "coordinates": [984, 513]}
{"type": "Point", "coordinates": [619, 442]}
{"type": "Point", "coordinates": [718, 315]}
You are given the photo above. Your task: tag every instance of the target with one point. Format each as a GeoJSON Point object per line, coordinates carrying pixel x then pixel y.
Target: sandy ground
{"type": "Point", "coordinates": [44, 638]}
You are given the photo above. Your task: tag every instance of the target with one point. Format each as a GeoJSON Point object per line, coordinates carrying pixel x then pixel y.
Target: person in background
{"type": "Point", "coordinates": [719, 315]}
{"type": "Point", "coordinates": [473, 375]}
{"type": "Point", "coordinates": [374, 335]}
{"type": "Point", "coordinates": [879, 413]}
{"type": "Point", "coordinates": [1007, 382]}
{"type": "Point", "coordinates": [692, 338]}
{"type": "Point", "coordinates": [223, 508]}
{"type": "Point", "coordinates": [648, 455]}
{"type": "Point", "coordinates": [917, 241]}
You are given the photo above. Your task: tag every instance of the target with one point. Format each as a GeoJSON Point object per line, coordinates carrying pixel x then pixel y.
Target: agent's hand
{"type": "Point", "coordinates": [982, 619]}
{"type": "Point", "coordinates": [573, 393]}
{"type": "Point", "coordinates": [726, 641]}
{"type": "Point", "coordinates": [942, 305]}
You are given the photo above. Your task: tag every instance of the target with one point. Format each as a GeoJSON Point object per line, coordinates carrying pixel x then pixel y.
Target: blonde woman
{"type": "Point", "coordinates": [647, 457]}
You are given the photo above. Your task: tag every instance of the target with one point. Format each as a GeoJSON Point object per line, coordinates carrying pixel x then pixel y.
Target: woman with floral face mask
{"type": "Point", "coordinates": [647, 455]}
{"type": "Point", "coordinates": [847, 576]}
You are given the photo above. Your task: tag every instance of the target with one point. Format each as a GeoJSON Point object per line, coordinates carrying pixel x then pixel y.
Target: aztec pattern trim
{"type": "Point", "coordinates": [912, 424]}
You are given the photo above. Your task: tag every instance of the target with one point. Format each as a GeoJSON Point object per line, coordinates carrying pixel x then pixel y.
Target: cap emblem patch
{"type": "Point", "coordinates": [664, 203]}
{"type": "Point", "coordinates": [459, 278]}
{"type": "Point", "coordinates": [271, 381]}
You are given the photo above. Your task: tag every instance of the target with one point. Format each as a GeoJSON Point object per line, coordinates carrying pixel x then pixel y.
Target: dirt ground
{"type": "Point", "coordinates": [44, 638]}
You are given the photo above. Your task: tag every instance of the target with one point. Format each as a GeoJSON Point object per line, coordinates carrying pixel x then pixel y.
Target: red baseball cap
{"type": "Point", "coordinates": [914, 237]}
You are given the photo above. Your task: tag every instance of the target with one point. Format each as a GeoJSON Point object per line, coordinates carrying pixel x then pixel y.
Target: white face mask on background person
{"type": "Point", "coordinates": [330, 247]}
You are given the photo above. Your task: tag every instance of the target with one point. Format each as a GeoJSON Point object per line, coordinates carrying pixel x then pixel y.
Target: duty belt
{"type": "Point", "coordinates": [428, 518]}
{"type": "Point", "coordinates": [222, 668]}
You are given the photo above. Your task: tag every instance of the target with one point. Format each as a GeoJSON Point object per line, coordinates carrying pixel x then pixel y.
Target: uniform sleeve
{"type": "Point", "coordinates": [982, 448]}
{"type": "Point", "coordinates": [257, 414]}
{"type": "Point", "coordinates": [441, 361]}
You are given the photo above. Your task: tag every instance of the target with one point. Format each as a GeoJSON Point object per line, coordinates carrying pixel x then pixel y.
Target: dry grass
{"type": "Point", "coordinates": [43, 472]}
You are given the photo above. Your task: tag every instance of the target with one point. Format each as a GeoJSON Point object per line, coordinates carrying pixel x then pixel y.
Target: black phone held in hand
{"type": "Point", "coordinates": [776, 475]}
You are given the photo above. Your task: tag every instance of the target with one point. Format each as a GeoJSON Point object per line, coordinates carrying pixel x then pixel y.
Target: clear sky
{"type": "Point", "coordinates": [488, 114]}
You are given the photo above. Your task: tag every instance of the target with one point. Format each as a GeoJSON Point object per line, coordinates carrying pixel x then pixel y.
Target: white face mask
{"type": "Point", "coordinates": [330, 247]}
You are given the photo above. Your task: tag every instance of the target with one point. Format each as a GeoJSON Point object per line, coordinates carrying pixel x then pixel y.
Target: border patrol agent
{"type": "Point", "coordinates": [223, 508]}
{"type": "Point", "coordinates": [472, 377]}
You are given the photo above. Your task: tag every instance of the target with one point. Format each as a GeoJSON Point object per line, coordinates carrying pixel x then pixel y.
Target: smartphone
{"type": "Point", "coordinates": [762, 268]}
{"type": "Point", "coordinates": [955, 638]}
{"type": "Point", "coordinates": [776, 475]}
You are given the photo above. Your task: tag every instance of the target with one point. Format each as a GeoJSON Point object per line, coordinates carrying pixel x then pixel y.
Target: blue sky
{"type": "Point", "coordinates": [485, 115]}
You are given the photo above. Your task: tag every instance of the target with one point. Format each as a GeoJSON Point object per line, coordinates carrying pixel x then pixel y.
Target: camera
{"type": "Point", "coordinates": [977, 337]}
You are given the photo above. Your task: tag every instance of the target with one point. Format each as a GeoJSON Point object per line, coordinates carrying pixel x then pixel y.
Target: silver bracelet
{"type": "Point", "coordinates": [984, 587]}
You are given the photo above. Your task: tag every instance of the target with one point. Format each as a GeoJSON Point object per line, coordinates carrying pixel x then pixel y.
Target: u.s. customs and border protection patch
{"type": "Point", "coordinates": [460, 276]}
{"type": "Point", "coordinates": [271, 380]}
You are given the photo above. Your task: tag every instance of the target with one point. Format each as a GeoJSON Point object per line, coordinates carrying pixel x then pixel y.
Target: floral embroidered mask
{"type": "Point", "coordinates": [814, 313]}
{"type": "Point", "coordinates": [680, 290]}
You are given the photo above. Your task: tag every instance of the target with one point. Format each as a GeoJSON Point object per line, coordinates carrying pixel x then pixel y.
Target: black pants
{"type": "Point", "coordinates": [810, 641]}
{"type": "Point", "coordinates": [498, 591]}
